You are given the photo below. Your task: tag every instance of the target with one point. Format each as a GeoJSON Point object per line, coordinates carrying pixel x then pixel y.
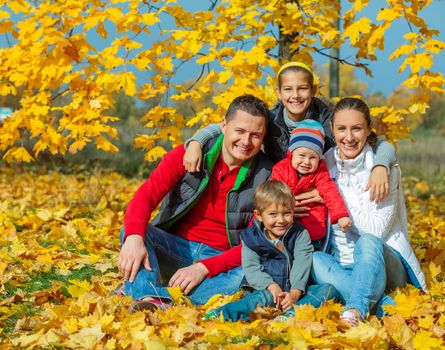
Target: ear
{"type": "Point", "coordinates": [223, 126]}
{"type": "Point", "coordinates": [278, 92]}
{"type": "Point", "coordinates": [257, 214]}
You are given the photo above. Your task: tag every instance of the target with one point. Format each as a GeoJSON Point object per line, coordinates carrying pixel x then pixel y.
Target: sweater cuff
{"type": "Point", "coordinates": [335, 218]}
{"type": "Point", "coordinates": [212, 266]}
{"type": "Point", "coordinates": [135, 228]}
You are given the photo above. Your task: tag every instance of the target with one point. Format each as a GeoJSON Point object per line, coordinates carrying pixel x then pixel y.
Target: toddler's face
{"type": "Point", "coordinates": [305, 160]}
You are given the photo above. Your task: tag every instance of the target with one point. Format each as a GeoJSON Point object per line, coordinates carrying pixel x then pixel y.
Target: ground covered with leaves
{"type": "Point", "coordinates": [58, 250]}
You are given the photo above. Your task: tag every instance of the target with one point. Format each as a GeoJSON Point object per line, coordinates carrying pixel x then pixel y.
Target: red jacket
{"type": "Point", "coordinates": [315, 223]}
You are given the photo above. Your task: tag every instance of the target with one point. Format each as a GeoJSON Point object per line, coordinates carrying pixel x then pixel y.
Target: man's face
{"type": "Point", "coordinates": [243, 136]}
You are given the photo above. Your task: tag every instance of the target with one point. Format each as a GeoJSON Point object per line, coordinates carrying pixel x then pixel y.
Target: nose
{"type": "Point", "coordinates": [348, 135]}
{"type": "Point", "coordinates": [245, 139]}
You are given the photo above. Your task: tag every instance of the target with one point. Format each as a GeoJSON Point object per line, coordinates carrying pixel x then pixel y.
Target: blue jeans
{"type": "Point", "coordinates": [167, 253]}
{"type": "Point", "coordinates": [315, 295]}
{"type": "Point", "coordinates": [377, 269]}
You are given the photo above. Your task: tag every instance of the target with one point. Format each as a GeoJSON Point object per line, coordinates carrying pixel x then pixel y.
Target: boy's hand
{"type": "Point", "coordinates": [378, 184]}
{"type": "Point", "coordinates": [192, 157]}
{"type": "Point", "coordinates": [345, 223]}
{"type": "Point", "coordinates": [276, 290]}
{"type": "Point", "coordinates": [288, 299]}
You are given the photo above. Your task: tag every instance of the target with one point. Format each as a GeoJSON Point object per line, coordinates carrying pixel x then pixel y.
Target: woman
{"type": "Point", "coordinates": [374, 256]}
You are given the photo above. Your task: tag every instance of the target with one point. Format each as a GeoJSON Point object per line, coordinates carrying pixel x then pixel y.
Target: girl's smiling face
{"type": "Point", "coordinates": [295, 92]}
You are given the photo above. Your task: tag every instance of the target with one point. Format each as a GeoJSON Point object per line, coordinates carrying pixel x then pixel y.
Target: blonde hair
{"type": "Point", "coordinates": [273, 192]}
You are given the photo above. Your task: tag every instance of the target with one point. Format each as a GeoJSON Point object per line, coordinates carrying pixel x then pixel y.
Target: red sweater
{"type": "Point", "coordinates": [315, 223]}
{"type": "Point", "coordinates": [204, 223]}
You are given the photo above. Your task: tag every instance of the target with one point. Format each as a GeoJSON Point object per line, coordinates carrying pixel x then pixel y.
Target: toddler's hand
{"type": "Point", "coordinates": [345, 224]}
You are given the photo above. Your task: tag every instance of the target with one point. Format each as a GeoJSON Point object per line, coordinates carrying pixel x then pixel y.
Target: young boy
{"type": "Point", "coordinates": [302, 171]}
{"type": "Point", "coordinates": [276, 258]}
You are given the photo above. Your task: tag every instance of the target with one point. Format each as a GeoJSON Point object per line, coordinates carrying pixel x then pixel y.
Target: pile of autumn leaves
{"type": "Point", "coordinates": [58, 249]}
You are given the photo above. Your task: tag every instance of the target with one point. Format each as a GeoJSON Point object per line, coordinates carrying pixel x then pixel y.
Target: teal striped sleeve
{"type": "Point", "coordinates": [204, 135]}
{"type": "Point", "coordinates": [384, 154]}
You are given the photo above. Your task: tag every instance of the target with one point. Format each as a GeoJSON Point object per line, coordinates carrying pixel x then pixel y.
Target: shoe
{"type": "Point", "coordinates": [285, 316]}
{"type": "Point", "coordinates": [211, 315]}
{"type": "Point", "coordinates": [119, 290]}
{"type": "Point", "coordinates": [149, 304]}
{"type": "Point", "coordinates": [350, 318]}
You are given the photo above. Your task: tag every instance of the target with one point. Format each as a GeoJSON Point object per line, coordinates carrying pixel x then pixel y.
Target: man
{"type": "Point", "coordinates": [193, 242]}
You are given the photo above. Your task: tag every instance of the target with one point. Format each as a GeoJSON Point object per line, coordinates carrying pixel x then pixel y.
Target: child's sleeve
{"type": "Point", "coordinates": [331, 195]}
{"type": "Point", "coordinates": [204, 135]}
{"type": "Point", "coordinates": [384, 154]}
{"type": "Point", "coordinates": [252, 268]}
{"type": "Point", "coordinates": [301, 267]}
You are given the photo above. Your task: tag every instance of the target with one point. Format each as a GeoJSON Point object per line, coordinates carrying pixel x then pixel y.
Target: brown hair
{"type": "Point", "coordinates": [273, 192]}
{"type": "Point", "coordinates": [309, 75]}
{"type": "Point", "coordinates": [356, 104]}
{"type": "Point", "coordinates": [249, 104]}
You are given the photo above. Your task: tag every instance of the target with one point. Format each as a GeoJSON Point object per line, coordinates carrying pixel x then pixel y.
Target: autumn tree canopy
{"type": "Point", "coordinates": [65, 81]}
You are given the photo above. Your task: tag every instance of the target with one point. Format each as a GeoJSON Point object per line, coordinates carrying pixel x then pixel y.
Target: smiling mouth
{"type": "Point", "coordinates": [242, 149]}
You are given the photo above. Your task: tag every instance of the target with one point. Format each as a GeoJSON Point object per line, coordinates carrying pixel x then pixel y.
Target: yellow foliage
{"type": "Point", "coordinates": [66, 84]}
{"type": "Point", "coordinates": [52, 223]}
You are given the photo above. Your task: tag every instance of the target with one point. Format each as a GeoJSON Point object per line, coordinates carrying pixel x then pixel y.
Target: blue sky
{"type": "Point", "coordinates": [385, 77]}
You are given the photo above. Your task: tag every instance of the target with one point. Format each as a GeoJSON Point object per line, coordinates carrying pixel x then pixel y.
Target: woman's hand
{"type": "Point", "coordinates": [312, 196]}
{"type": "Point", "coordinates": [192, 157]}
{"type": "Point", "coordinates": [378, 184]}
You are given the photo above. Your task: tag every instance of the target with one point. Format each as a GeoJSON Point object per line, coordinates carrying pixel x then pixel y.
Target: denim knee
{"type": "Point", "coordinates": [368, 246]}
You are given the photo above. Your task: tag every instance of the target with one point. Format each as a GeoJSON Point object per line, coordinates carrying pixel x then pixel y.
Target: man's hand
{"type": "Point", "coordinates": [378, 184]}
{"type": "Point", "coordinates": [189, 277]}
{"type": "Point", "coordinates": [192, 157]}
{"type": "Point", "coordinates": [132, 254]}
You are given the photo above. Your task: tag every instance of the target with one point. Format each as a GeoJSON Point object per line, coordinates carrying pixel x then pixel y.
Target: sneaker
{"type": "Point", "coordinates": [350, 318]}
{"type": "Point", "coordinates": [211, 315]}
{"type": "Point", "coordinates": [285, 316]}
{"type": "Point", "coordinates": [149, 304]}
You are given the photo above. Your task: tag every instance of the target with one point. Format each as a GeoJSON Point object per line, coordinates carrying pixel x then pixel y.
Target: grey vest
{"type": "Point", "coordinates": [239, 204]}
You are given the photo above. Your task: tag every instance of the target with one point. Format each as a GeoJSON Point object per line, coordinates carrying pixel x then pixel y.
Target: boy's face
{"type": "Point", "coordinates": [276, 219]}
{"type": "Point", "coordinates": [305, 160]}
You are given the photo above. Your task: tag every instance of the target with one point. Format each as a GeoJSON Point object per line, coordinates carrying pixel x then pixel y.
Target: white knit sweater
{"type": "Point", "coordinates": [386, 220]}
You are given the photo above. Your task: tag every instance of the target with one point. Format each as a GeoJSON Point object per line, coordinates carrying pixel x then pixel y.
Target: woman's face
{"type": "Point", "coordinates": [296, 94]}
{"type": "Point", "coordinates": [350, 130]}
